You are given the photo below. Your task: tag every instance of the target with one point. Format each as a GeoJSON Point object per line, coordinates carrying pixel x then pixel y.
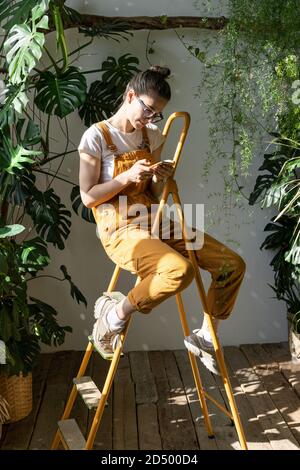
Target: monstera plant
{"type": "Point", "coordinates": [279, 187]}
{"type": "Point", "coordinates": [36, 87]}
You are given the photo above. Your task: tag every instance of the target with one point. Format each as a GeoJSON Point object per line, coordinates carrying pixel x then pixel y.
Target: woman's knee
{"type": "Point", "coordinates": [240, 265]}
{"type": "Point", "coordinates": [183, 274]}
{"type": "Point", "coordinates": [232, 268]}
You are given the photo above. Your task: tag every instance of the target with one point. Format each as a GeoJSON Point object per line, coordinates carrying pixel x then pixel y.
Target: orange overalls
{"type": "Point", "coordinates": [163, 265]}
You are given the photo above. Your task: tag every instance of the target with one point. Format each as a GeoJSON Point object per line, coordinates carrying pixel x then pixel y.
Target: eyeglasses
{"type": "Point", "coordinates": [148, 113]}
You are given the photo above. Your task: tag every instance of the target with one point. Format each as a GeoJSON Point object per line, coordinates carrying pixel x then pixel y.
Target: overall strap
{"type": "Point", "coordinates": [145, 137]}
{"type": "Point", "coordinates": [107, 137]}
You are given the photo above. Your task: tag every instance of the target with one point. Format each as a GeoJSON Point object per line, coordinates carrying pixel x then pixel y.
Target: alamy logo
{"type": "Point", "coordinates": [146, 221]}
{"type": "Point", "coordinates": [2, 352]}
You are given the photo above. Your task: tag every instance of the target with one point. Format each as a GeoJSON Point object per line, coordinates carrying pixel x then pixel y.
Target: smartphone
{"type": "Point", "coordinates": [162, 162]}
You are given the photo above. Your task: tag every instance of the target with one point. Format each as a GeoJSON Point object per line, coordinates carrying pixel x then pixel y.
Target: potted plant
{"type": "Point", "coordinates": [25, 322]}
{"type": "Point", "coordinates": [34, 92]}
{"type": "Point", "coordinates": [280, 187]}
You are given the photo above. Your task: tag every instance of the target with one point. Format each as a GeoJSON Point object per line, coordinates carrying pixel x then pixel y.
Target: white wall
{"type": "Point", "coordinates": [257, 317]}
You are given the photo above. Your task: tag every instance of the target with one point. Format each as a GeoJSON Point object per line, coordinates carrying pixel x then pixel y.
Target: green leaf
{"type": "Point", "coordinates": [15, 157]}
{"type": "Point", "coordinates": [273, 195]}
{"type": "Point", "coordinates": [23, 48]}
{"type": "Point", "coordinates": [293, 255]}
{"type": "Point", "coordinates": [75, 292]}
{"type": "Point", "coordinates": [33, 255]}
{"type": "Point", "coordinates": [164, 19]}
{"type": "Point", "coordinates": [86, 213]}
{"type": "Point", "coordinates": [60, 94]}
{"type": "Point", "coordinates": [20, 102]}
{"type": "Point", "coordinates": [15, 99]}
{"type": "Point", "coordinates": [50, 216]}
{"type": "Point", "coordinates": [69, 15]}
{"type": "Point", "coordinates": [291, 165]}
{"type": "Point", "coordinates": [265, 185]}
{"type": "Point", "coordinates": [20, 186]}
{"type": "Point", "coordinates": [22, 355]}
{"type": "Point", "coordinates": [28, 135]}
{"type": "Point", "coordinates": [11, 230]}
{"type": "Point", "coordinates": [15, 12]}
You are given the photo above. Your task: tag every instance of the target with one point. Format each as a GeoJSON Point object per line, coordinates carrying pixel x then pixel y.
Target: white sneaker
{"type": "Point", "coordinates": [106, 339]}
{"type": "Point", "coordinates": [197, 345]}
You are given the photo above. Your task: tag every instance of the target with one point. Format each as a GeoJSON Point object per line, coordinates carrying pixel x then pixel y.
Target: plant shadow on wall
{"type": "Point", "coordinates": [32, 95]}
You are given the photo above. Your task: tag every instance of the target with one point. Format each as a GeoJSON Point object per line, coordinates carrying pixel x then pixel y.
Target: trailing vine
{"type": "Point", "coordinates": [246, 74]}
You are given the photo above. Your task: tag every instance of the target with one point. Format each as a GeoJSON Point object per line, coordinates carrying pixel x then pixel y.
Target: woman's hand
{"type": "Point", "coordinates": [162, 170]}
{"type": "Point", "coordinates": [140, 171]}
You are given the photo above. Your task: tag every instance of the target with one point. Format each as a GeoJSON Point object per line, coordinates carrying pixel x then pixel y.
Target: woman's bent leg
{"type": "Point", "coordinates": [163, 270]}
{"type": "Point", "coordinates": [227, 270]}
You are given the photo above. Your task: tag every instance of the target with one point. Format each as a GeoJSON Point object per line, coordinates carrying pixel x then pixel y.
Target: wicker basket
{"type": "Point", "coordinates": [17, 391]}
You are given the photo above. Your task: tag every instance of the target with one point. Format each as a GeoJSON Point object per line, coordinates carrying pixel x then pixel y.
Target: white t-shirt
{"type": "Point", "coordinates": [93, 143]}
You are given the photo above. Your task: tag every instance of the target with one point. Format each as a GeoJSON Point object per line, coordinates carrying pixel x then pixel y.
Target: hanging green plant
{"type": "Point", "coordinates": [246, 85]}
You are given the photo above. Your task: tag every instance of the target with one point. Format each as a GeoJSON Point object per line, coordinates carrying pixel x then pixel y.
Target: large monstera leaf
{"type": "Point", "coordinates": [15, 100]}
{"type": "Point", "coordinates": [20, 185]}
{"type": "Point", "coordinates": [32, 256]}
{"type": "Point", "coordinates": [28, 132]}
{"type": "Point", "coordinates": [14, 158]}
{"type": "Point", "coordinates": [11, 230]}
{"type": "Point", "coordinates": [21, 355]}
{"type": "Point", "coordinates": [23, 47]}
{"type": "Point", "coordinates": [60, 94]}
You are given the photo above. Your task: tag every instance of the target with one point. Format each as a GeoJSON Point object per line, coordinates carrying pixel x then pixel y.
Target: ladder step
{"type": "Point", "coordinates": [89, 391]}
{"type": "Point", "coordinates": [107, 357]}
{"type": "Point", "coordinates": [71, 434]}
{"type": "Point", "coordinates": [118, 296]}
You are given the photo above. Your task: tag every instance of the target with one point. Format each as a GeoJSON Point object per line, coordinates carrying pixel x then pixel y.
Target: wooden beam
{"type": "Point", "coordinates": [148, 22]}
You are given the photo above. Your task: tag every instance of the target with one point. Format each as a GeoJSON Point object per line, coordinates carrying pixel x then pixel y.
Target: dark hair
{"type": "Point", "coordinates": [151, 81]}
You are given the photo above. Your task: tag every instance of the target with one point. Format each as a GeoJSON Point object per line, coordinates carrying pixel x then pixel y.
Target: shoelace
{"type": "Point", "coordinates": [116, 342]}
{"type": "Point", "coordinates": [202, 341]}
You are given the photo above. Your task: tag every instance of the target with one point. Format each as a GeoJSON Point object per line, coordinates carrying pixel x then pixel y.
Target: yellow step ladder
{"type": "Point", "coordinates": [68, 432]}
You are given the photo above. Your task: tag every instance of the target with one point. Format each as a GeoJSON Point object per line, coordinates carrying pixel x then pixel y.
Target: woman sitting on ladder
{"type": "Point", "coordinates": [118, 157]}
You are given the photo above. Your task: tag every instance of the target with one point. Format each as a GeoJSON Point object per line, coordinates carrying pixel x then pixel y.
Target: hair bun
{"type": "Point", "coordinates": [163, 71]}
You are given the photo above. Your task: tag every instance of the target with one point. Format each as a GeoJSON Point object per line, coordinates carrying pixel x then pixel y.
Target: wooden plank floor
{"type": "Point", "coordinates": [153, 404]}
